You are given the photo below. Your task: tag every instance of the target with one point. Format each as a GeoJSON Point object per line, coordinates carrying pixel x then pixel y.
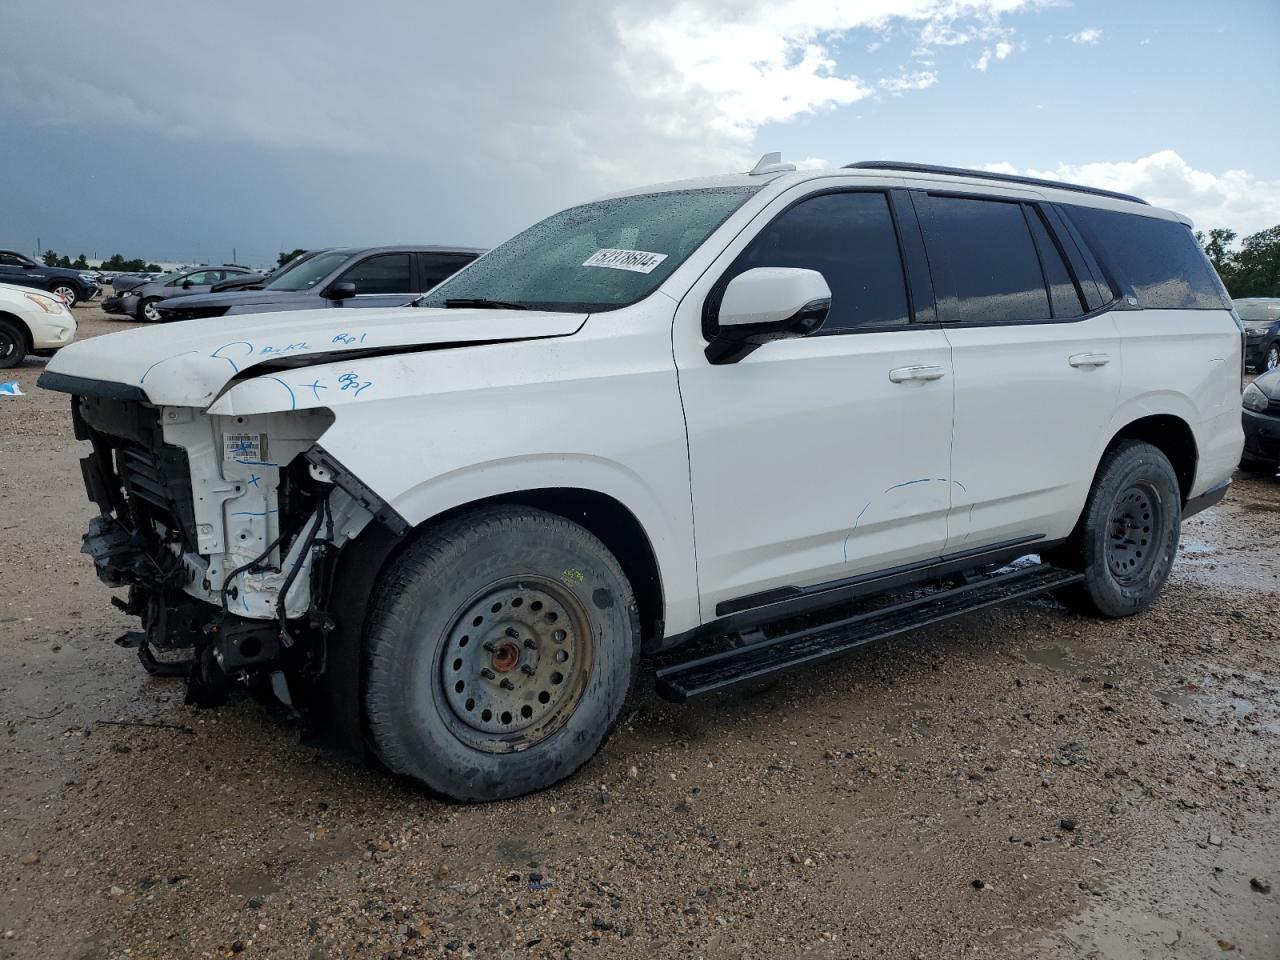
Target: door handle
{"type": "Point", "coordinates": [922, 372]}
{"type": "Point", "coordinates": [1089, 359]}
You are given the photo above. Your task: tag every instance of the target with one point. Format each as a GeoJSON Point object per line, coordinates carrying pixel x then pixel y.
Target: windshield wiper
{"type": "Point", "coordinates": [482, 303]}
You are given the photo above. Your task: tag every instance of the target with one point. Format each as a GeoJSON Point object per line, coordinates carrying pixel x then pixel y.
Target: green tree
{"type": "Point", "coordinates": [286, 257]}
{"type": "Point", "coordinates": [50, 258]}
{"type": "Point", "coordinates": [1257, 265]}
{"type": "Point", "coordinates": [153, 268]}
{"type": "Point", "coordinates": [81, 263]}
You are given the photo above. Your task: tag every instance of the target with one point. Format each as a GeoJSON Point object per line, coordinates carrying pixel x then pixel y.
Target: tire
{"type": "Point", "coordinates": [503, 595]}
{"type": "Point", "coordinates": [67, 292]}
{"type": "Point", "coordinates": [1250, 465]}
{"type": "Point", "coordinates": [13, 344]}
{"type": "Point", "coordinates": [1127, 536]}
{"type": "Point", "coordinates": [147, 311]}
{"type": "Point", "coordinates": [1272, 358]}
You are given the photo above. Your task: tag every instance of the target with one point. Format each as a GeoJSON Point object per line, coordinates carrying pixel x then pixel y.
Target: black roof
{"type": "Point", "coordinates": [987, 175]}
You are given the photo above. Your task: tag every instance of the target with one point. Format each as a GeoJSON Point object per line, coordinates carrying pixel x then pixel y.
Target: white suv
{"type": "Point", "coordinates": [737, 424]}
{"type": "Point", "coordinates": [32, 321]}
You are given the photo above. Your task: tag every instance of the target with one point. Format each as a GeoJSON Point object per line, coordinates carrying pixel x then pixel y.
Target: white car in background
{"type": "Point", "coordinates": [31, 322]}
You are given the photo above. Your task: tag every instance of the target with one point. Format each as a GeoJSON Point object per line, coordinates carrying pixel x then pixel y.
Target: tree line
{"type": "Point", "coordinates": [116, 262]}
{"type": "Point", "coordinates": [1251, 271]}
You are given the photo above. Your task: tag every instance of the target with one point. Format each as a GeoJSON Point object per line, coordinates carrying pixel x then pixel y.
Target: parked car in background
{"type": "Point", "coordinates": [140, 302]}
{"type": "Point", "coordinates": [447, 534]}
{"type": "Point", "coordinates": [68, 285]}
{"type": "Point", "coordinates": [1261, 418]}
{"type": "Point", "coordinates": [127, 281]}
{"type": "Point", "coordinates": [258, 280]}
{"type": "Point", "coordinates": [32, 321]}
{"type": "Point", "coordinates": [366, 276]}
{"type": "Point", "coordinates": [1261, 319]}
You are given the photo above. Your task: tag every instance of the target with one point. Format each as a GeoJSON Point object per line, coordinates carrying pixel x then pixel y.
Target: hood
{"type": "Point", "coordinates": [1269, 383]}
{"type": "Point", "coordinates": [188, 364]}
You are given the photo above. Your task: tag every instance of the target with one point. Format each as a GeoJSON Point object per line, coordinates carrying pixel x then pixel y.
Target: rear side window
{"type": "Point", "coordinates": [386, 273]}
{"type": "Point", "coordinates": [1064, 295]}
{"type": "Point", "coordinates": [439, 266]}
{"type": "Point", "coordinates": [850, 239]}
{"type": "Point", "coordinates": [985, 255]}
{"type": "Point", "coordinates": [1158, 259]}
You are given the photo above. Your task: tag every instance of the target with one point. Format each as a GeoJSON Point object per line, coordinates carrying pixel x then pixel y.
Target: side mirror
{"type": "Point", "coordinates": [28, 265]}
{"type": "Point", "coordinates": [768, 303]}
{"type": "Point", "coordinates": [186, 284]}
{"type": "Point", "coordinates": [337, 292]}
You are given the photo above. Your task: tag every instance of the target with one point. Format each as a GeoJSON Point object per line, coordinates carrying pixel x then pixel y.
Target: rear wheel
{"type": "Point", "coordinates": [13, 344]}
{"type": "Point", "coordinates": [1127, 537]}
{"type": "Point", "coordinates": [502, 647]}
{"type": "Point", "coordinates": [66, 292]}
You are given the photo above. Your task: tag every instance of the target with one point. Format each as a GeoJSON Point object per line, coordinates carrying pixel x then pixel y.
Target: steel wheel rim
{"type": "Point", "coordinates": [1273, 357]}
{"type": "Point", "coordinates": [514, 665]}
{"type": "Point", "coordinates": [1132, 532]}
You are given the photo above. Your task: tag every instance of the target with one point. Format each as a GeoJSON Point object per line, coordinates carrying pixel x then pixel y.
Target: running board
{"type": "Point", "coordinates": [701, 675]}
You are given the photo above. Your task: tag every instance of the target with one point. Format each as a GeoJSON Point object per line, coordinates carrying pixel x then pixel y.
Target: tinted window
{"type": "Point", "coordinates": [850, 239]}
{"type": "Point", "coordinates": [1159, 259]}
{"type": "Point", "coordinates": [438, 266]}
{"type": "Point", "coordinates": [983, 249]}
{"type": "Point", "coordinates": [12, 259]}
{"type": "Point", "coordinates": [386, 273]}
{"type": "Point", "coordinates": [1064, 297]}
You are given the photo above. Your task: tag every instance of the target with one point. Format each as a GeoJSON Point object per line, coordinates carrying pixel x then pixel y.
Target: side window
{"type": "Point", "coordinates": [850, 239]}
{"type": "Point", "coordinates": [437, 267]}
{"type": "Point", "coordinates": [385, 273]}
{"type": "Point", "coordinates": [201, 278]}
{"type": "Point", "coordinates": [1064, 295]}
{"type": "Point", "coordinates": [985, 253]}
{"type": "Point", "coordinates": [1159, 259]}
{"type": "Point", "coordinates": [11, 260]}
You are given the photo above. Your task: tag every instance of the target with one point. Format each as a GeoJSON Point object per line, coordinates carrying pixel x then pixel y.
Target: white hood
{"type": "Point", "coordinates": [188, 364]}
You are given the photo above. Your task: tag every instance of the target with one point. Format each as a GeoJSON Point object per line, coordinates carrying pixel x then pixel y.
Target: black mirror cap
{"type": "Point", "coordinates": [337, 292]}
{"type": "Point", "coordinates": [731, 344]}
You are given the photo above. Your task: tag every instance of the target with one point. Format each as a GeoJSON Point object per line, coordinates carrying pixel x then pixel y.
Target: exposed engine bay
{"type": "Point", "coordinates": [226, 531]}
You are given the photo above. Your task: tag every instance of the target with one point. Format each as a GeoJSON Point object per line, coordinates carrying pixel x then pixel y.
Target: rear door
{"type": "Point", "coordinates": [816, 460]}
{"type": "Point", "coordinates": [1037, 365]}
{"type": "Point", "coordinates": [381, 280]}
{"type": "Point", "coordinates": [435, 268]}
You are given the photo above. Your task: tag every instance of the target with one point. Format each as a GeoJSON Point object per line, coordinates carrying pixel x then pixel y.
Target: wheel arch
{"type": "Point", "coordinates": [23, 329]}
{"type": "Point", "coordinates": [1173, 437]}
{"type": "Point", "coordinates": [607, 519]}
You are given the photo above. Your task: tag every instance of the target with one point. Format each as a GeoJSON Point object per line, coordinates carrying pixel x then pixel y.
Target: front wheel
{"type": "Point", "coordinates": [501, 649]}
{"type": "Point", "coordinates": [148, 311]}
{"type": "Point", "coordinates": [67, 293]}
{"type": "Point", "coordinates": [1127, 537]}
{"type": "Point", "coordinates": [13, 344]}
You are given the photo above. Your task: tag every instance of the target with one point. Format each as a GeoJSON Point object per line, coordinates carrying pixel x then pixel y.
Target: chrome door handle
{"type": "Point", "coordinates": [923, 372]}
{"type": "Point", "coordinates": [1089, 359]}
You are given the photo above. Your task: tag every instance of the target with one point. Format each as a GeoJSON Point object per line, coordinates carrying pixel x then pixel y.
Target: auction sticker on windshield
{"type": "Point", "coordinates": [637, 261]}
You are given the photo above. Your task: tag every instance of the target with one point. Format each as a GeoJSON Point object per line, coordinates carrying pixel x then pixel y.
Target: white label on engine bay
{"type": "Point", "coordinates": [637, 261]}
{"type": "Point", "coordinates": [244, 446]}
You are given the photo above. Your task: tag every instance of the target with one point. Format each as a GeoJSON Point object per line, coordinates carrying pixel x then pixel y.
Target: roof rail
{"type": "Point", "coordinates": [986, 175]}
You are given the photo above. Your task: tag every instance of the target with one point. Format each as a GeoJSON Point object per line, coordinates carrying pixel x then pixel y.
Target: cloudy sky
{"type": "Point", "coordinates": [185, 130]}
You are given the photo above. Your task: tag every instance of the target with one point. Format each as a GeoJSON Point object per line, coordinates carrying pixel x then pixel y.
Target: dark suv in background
{"type": "Point", "coordinates": [368, 276]}
{"type": "Point", "coordinates": [1261, 319]}
{"type": "Point", "coordinates": [140, 301]}
{"type": "Point", "coordinates": [69, 285]}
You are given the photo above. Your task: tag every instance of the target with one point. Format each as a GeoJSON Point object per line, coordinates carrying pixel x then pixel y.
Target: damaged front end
{"type": "Point", "coordinates": [227, 532]}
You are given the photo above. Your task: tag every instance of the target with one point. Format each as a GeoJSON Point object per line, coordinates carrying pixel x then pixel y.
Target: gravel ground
{"type": "Point", "coordinates": [1018, 783]}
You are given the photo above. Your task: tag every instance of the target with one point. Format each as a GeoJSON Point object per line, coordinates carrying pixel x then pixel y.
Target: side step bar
{"type": "Point", "coordinates": [700, 675]}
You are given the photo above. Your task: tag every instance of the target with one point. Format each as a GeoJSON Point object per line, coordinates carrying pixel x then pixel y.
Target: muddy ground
{"type": "Point", "coordinates": [1018, 783]}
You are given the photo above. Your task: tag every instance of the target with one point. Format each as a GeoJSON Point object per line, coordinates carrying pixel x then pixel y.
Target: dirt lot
{"type": "Point", "coordinates": [1020, 783]}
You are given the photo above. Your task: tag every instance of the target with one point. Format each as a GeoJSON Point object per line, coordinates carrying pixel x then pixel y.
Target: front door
{"type": "Point", "coordinates": [818, 459]}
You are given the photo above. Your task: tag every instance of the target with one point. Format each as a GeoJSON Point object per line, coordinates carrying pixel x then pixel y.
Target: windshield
{"type": "Point", "coordinates": [599, 256]}
{"type": "Point", "coordinates": [309, 272]}
{"type": "Point", "coordinates": [167, 277]}
{"type": "Point", "coordinates": [1258, 311]}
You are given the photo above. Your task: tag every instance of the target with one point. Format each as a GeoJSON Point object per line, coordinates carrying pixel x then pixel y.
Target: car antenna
{"type": "Point", "coordinates": [770, 163]}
